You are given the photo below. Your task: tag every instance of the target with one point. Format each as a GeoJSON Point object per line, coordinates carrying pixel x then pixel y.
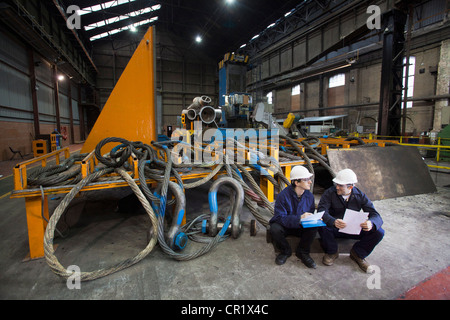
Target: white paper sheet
{"type": "Point", "coordinates": [353, 219]}
{"type": "Point", "coordinates": [314, 217]}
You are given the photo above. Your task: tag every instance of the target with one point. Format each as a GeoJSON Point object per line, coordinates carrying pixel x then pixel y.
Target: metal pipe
{"type": "Point", "coordinates": [191, 114]}
{"type": "Point", "coordinates": [208, 114]}
{"type": "Point", "coordinates": [199, 102]}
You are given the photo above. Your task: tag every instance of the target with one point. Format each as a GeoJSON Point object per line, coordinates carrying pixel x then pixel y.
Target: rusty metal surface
{"type": "Point", "coordinates": [385, 173]}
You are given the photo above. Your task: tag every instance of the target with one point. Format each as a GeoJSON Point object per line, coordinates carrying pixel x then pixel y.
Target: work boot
{"type": "Point", "coordinates": [328, 259]}
{"type": "Point", "coordinates": [281, 259]}
{"type": "Point", "coordinates": [362, 263]}
{"type": "Point", "coordinates": [307, 260]}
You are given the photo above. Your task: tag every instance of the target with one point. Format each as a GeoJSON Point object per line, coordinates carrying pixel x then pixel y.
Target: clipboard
{"type": "Point", "coordinates": [313, 221]}
{"type": "Point", "coordinates": [313, 224]}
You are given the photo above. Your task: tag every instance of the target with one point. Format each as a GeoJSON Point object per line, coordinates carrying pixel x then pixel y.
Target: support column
{"type": "Point", "coordinates": [442, 108]}
{"type": "Point", "coordinates": [56, 94]}
{"type": "Point", "coordinates": [31, 66]}
{"type": "Point", "coordinates": [390, 113]}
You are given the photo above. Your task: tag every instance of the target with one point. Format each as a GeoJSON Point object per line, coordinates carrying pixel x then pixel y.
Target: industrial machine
{"type": "Point", "coordinates": [238, 108]}
{"type": "Point", "coordinates": [444, 136]}
{"type": "Point", "coordinates": [321, 126]}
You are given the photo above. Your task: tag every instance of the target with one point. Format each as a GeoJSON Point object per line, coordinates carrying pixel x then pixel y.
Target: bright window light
{"type": "Point", "coordinates": [122, 17]}
{"type": "Point", "coordinates": [134, 25]}
{"type": "Point", "coordinates": [411, 71]}
{"type": "Point", "coordinates": [296, 90]}
{"type": "Point", "coordinates": [337, 80]}
{"type": "Point", "coordinates": [269, 97]}
{"type": "Point", "coordinates": [102, 6]}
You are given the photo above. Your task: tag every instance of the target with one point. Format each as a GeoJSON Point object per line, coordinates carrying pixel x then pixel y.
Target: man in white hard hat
{"type": "Point", "coordinates": [335, 201]}
{"type": "Point", "coordinates": [292, 204]}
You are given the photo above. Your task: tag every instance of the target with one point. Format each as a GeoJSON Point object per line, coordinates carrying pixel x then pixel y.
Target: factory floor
{"type": "Point", "coordinates": [413, 259]}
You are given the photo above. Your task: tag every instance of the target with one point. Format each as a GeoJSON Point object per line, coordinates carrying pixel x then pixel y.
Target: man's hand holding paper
{"type": "Point", "coordinates": [355, 221]}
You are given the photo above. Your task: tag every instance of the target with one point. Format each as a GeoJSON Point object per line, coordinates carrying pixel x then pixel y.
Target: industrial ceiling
{"type": "Point", "coordinates": [223, 25]}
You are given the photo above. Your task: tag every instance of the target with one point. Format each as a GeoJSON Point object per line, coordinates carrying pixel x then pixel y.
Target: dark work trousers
{"type": "Point", "coordinates": [279, 234]}
{"type": "Point", "coordinates": [368, 240]}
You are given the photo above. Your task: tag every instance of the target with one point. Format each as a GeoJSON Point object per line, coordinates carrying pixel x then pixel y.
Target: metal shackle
{"type": "Point", "coordinates": [175, 238]}
{"type": "Point", "coordinates": [234, 217]}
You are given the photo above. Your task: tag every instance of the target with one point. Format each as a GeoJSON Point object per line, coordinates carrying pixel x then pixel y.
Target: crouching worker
{"type": "Point", "coordinates": [293, 203]}
{"type": "Point", "coordinates": [335, 201]}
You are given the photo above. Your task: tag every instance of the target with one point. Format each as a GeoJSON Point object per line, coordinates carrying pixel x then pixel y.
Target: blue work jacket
{"type": "Point", "coordinates": [335, 206]}
{"type": "Point", "coordinates": [289, 207]}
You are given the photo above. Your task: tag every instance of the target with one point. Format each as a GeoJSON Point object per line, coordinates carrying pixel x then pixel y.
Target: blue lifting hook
{"type": "Point", "coordinates": [234, 219]}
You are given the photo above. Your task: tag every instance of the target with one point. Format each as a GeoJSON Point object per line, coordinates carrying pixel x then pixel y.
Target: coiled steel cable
{"type": "Point", "coordinates": [57, 174]}
{"type": "Point", "coordinates": [50, 257]}
{"type": "Point", "coordinates": [147, 156]}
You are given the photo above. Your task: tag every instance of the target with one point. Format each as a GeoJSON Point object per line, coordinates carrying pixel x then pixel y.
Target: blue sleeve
{"type": "Point", "coordinates": [325, 205]}
{"type": "Point", "coordinates": [285, 216]}
{"type": "Point", "coordinates": [312, 207]}
{"type": "Point", "coordinates": [374, 216]}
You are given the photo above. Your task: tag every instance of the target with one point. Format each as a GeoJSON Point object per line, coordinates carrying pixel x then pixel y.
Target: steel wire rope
{"type": "Point", "coordinates": [49, 250]}
{"type": "Point", "coordinates": [57, 174]}
{"type": "Point", "coordinates": [312, 147]}
{"type": "Point", "coordinates": [161, 218]}
{"type": "Point", "coordinates": [249, 200]}
{"type": "Point", "coordinates": [302, 154]}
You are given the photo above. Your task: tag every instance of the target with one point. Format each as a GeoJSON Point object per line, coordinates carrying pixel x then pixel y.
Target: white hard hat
{"type": "Point", "coordinates": [346, 176]}
{"type": "Point", "coordinates": [300, 172]}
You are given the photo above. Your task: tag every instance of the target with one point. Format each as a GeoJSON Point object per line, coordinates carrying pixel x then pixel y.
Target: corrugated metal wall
{"type": "Point", "coordinates": [14, 82]}
{"type": "Point", "coordinates": [16, 104]}
{"type": "Point", "coordinates": [291, 62]}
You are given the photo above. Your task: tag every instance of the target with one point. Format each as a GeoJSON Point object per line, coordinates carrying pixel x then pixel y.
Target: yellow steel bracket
{"type": "Point", "coordinates": [129, 112]}
{"type": "Point", "coordinates": [36, 206]}
{"type": "Point", "coordinates": [266, 186]}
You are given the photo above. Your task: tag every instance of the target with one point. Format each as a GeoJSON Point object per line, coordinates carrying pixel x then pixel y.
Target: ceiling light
{"type": "Point", "coordinates": [229, 1]}
{"type": "Point", "coordinates": [257, 36]}
{"type": "Point", "coordinates": [61, 77]}
{"type": "Point", "coordinates": [198, 39]}
{"type": "Point", "coordinates": [243, 46]}
{"type": "Point", "coordinates": [270, 25]}
{"type": "Point", "coordinates": [133, 28]}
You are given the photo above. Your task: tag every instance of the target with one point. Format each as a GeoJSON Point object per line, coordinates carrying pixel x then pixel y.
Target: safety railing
{"type": "Point", "coordinates": [20, 170]}
{"type": "Point", "coordinates": [421, 142]}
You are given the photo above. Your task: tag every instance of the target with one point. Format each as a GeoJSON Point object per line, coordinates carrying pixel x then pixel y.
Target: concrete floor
{"type": "Point", "coordinates": [416, 246]}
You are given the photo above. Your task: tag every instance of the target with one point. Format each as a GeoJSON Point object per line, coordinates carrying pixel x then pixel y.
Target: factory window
{"type": "Point", "coordinates": [296, 90]}
{"type": "Point", "coordinates": [337, 80]}
{"type": "Point", "coordinates": [411, 71]}
{"type": "Point", "coordinates": [270, 97]}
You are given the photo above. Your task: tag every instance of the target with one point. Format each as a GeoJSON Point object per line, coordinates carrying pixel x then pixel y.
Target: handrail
{"type": "Point", "coordinates": [20, 170]}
